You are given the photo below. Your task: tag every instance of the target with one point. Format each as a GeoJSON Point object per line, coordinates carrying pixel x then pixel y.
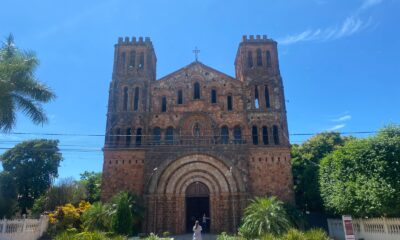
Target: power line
{"type": "Point", "coordinates": [124, 135]}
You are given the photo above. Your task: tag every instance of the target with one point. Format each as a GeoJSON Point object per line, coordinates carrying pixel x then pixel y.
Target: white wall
{"type": "Point", "coordinates": [23, 229]}
{"type": "Point", "coordinates": [368, 229]}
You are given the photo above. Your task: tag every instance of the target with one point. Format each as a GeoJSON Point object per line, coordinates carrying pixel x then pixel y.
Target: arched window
{"type": "Point", "coordinates": [180, 97]}
{"type": "Point", "coordinates": [237, 134]}
{"type": "Point", "coordinates": [164, 104]}
{"type": "Point", "coordinates": [136, 99]}
{"type": "Point", "coordinates": [250, 59]}
{"type": "Point", "coordinates": [196, 130]}
{"type": "Point", "coordinates": [128, 137]}
{"type": "Point", "coordinates": [256, 98]}
{"type": "Point", "coordinates": [123, 57]}
{"type": "Point", "coordinates": [141, 60]}
{"type": "Point", "coordinates": [265, 135]}
{"type": "Point", "coordinates": [169, 136]}
{"type": "Point", "coordinates": [156, 136]}
{"type": "Point", "coordinates": [132, 58]}
{"type": "Point", "coordinates": [266, 95]}
{"type": "Point", "coordinates": [254, 134]}
{"type": "Point", "coordinates": [224, 135]}
{"type": "Point", "coordinates": [118, 135]}
{"type": "Point", "coordinates": [125, 104]}
{"type": "Point", "coordinates": [268, 58]}
{"type": "Point", "coordinates": [138, 137]}
{"type": "Point", "coordinates": [275, 133]}
{"type": "Point", "coordinates": [196, 93]}
{"type": "Point", "coordinates": [213, 96]}
{"type": "Point", "coordinates": [229, 102]}
{"type": "Point", "coordinates": [259, 57]}
{"type": "Point", "coordinates": [111, 137]}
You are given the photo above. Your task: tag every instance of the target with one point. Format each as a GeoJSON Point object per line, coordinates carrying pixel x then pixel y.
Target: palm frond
{"type": "Point", "coordinates": [30, 108]}
{"type": "Point", "coordinates": [7, 114]}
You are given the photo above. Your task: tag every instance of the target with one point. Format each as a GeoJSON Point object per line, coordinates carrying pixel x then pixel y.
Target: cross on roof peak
{"type": "Point", "coordinates": [196, 54]}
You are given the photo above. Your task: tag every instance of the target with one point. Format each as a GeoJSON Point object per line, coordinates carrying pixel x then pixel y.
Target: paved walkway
{"type": "Point", "coordinates": [190, 236]}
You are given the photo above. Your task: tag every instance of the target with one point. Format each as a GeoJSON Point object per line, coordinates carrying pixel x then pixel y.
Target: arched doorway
{"type": "Point", "coordinates": [197, 199]}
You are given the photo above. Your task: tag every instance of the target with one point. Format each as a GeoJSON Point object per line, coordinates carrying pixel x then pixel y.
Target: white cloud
{"type": "Point", "coordinates": [337, 127]}
{"type": "Point", "coordinates": [350, 26]}
{"type": "Point", "coordinates": [342, 119]}
{"type": "Point", "coordinates": [369, 3]}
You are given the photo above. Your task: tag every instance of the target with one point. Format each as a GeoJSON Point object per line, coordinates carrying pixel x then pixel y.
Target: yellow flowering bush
{"type": "Point", "coordinates": [68, 216]}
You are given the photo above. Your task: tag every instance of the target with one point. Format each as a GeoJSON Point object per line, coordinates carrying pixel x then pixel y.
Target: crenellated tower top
{"type": "Point", "coordinates": [134, 59]}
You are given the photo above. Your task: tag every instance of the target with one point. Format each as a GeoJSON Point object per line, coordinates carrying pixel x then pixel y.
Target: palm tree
{"type": "Point", "coordinates": [19, 89]}
{"type": "Point", "coordinates": [264, 216]}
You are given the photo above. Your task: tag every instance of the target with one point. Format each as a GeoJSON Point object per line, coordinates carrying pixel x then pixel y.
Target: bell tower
{"type": "Point", "coordinates": [257, 66]}
{"type": "Point", "coordinates": [129, 94]}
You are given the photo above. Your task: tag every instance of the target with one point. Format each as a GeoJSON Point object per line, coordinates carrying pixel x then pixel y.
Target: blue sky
{"type": "Point", "coordinates": [339, 59]}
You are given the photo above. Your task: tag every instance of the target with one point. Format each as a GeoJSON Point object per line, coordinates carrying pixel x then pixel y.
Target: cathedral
{"type": "Point", "coordinates": [197, 141]}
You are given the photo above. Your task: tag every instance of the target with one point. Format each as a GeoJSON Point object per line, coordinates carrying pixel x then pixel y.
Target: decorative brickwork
{"type": "Point", "coordinates": [197, 131]}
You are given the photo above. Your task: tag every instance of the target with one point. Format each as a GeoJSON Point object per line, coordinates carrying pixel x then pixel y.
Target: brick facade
{"type": "Point", "coordinates": [197, 125]}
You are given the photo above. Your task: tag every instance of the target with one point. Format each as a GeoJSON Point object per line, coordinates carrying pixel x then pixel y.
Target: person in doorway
{"type": "Point", "coordinates": [197, 231]}
{"type": "Point", "coordinates": [204, 222]}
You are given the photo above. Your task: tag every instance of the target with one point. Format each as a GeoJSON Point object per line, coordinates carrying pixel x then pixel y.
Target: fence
{"type": "Point", "coordinates": [23, 229]}
{"type": "Point", "coordinates": [367, 229]}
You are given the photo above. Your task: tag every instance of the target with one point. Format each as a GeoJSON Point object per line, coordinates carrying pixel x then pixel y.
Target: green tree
{"type": "Point", "coordinates": [33, 165]}
{"type": "Point", "coordinates": [8, 195]}
{"type": "Point", "coordinates": [19, 89]}
{"type": "Point", "coordinates": [305, 165]}
{"type": "Point", "coordinates": [92, 183]}
{"type": "Point", "coordinates": [362, 177]}
{"type": "Point", "coordinates": [264, 216]}
{"type": "Point", "coordinates": [122, 221]}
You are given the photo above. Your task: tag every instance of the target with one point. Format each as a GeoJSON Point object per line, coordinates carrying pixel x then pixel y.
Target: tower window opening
{"type": "Point", "coordinates": [180, 97]}
{"type": "Point", "coordinates": [136, 99]}
{"type": "Point", "coordinates": [128, 137]}
{"type": "Point", "coordinates": [237, 134]}
{"type": "Point", "coordinates": [123, 57]}
{"type": "Point", "coordinates": [224, 135]}
{"type": "Point", "coordinates": [169, 136]}
{"type": "Point", "coordinates": [141, 60]}
{"type": "Point", "coordinates": [196, 93]}
{"type": "Point", "coordinates": [256, 98]}
{"type": "Point", "coordinates": [259, 57]}
{"type": "Point", "coordinates": [138, 137]}
{"type": "Point", "coordinates": [118, 135]}
{"type": "Point", "coordinates": [229, 102]}
{"type": "Point", "coordinates": [132, 58]}
{"type": "Point", "coordinates": [250, 59]}
{"type": "Point", "coordinates": [268, 55]}
{"type": "Point", "coordinates": [164, 104]}
{"type": "Point", "coordinates": [254, 134]}
{"type": "Point", "coordinates": [265, 135]}
{"type": "Point", "coordinates": [275, 133]}
{"type": "Point", "coordinates": [156, 136]}
{"type": "Point", "coordinates": [266, 95]}
{"type": "Point", "coordinates": [213, 96]}
{"type": "Point", "coordinates": [125, 104]}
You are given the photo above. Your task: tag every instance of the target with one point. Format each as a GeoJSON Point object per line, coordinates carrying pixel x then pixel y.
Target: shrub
{"type": "Point", "coordinates": [166, 234]}
{"type": "Point", "coordinates": [225, 236]}
{"type": "Point", "coordinates": [122, 221]}
{"type": "Point", "coordinates": [97, 217]}
{"type": "Point", "coordinates": [294, 234]}
{"type": "Point", "coordinates": [316, 234]}
{"type": "Point", "coordinates": [68, 216]}
{"type": "Point", "coordinates": [152, 236]}
{"type": "Point", "coordinates": [264, 216]}
{"type": "Point", "coordinates": [87, 236]}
